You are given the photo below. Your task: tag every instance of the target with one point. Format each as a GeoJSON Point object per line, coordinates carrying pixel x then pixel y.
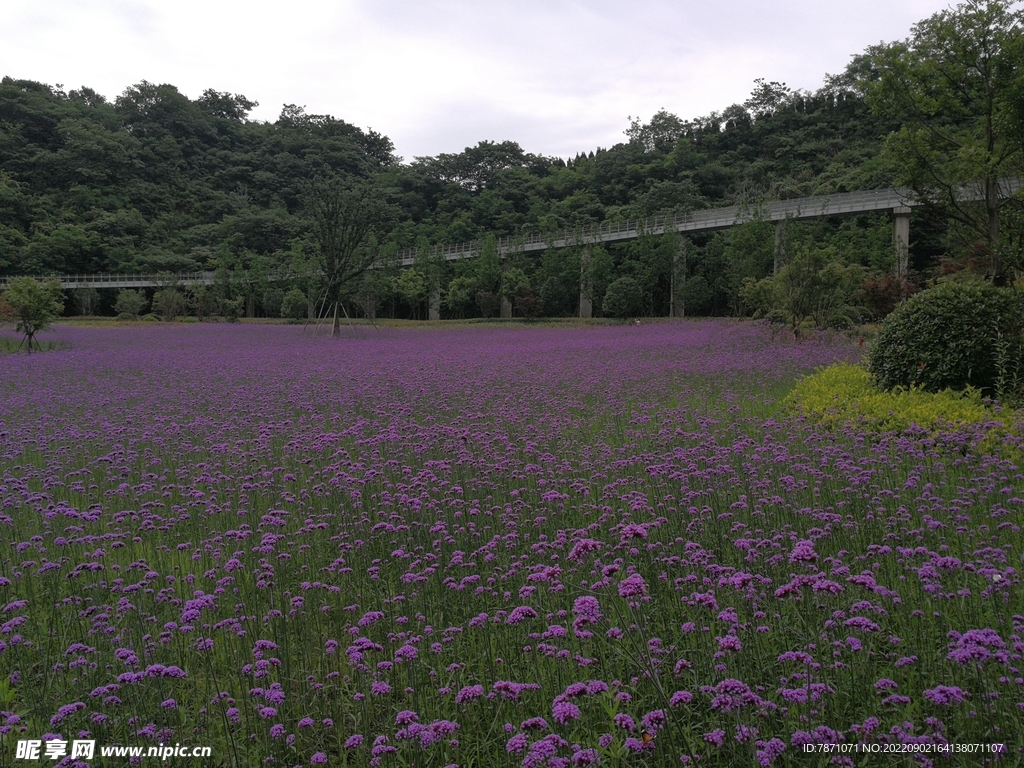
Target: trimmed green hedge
{"type": "Point", "coordinates": [955, 335]}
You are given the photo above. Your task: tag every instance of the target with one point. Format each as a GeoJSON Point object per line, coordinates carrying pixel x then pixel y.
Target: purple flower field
{"type": "Point", "coordinates": [540, 546]}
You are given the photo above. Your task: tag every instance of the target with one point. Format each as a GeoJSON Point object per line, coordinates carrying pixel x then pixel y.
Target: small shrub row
{"type": "Point", "coordinates": [844, 394]}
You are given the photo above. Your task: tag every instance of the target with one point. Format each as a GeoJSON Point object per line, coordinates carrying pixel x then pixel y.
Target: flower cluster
{"type": "Point", "coordinates": [368, 551]}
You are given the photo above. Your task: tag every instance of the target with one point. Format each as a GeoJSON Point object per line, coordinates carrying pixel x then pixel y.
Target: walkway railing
{"type": "Point", "coordinates": [839, 204]}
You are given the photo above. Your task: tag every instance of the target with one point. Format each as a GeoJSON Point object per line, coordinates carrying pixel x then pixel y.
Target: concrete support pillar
{"type": "Point", "coordinates": [434, 300]}
{"type": "Point", "coordinates": [586, 289]}
{"type": "Point", "coordinates": [780, 247]}
{"type": "Point", "coordinates": [901, 239]}
{"type": "Point", "coordinates": [506, 308]}
{"type": "Point", "coordinates": [678, 280]}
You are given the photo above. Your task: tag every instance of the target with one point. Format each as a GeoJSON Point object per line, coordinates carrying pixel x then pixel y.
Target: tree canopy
{"type": "Point", "coordinates": [955, 85]}
{"type": "Point", "coordinates": [344, 215]}
{"type": "Point", "coordinates": [36, 304]}
{"type": "Point", "coordinates": [154, 181]}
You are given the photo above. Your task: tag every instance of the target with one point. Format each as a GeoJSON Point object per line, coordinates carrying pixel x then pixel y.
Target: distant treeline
{"type": "Point", "coordinates": [157, 182]}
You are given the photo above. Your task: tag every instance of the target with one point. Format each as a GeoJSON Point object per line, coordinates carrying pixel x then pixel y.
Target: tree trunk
{"type": "Point", "coordinates": [992, 206]}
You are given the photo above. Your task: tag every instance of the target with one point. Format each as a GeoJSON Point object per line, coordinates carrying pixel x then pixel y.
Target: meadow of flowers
{"type": "Point", "coordinates": [494, 546]}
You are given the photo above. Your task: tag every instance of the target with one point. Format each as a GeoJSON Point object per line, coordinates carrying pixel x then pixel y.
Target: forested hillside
{"type": "Point", "coordinates": [156, 182]}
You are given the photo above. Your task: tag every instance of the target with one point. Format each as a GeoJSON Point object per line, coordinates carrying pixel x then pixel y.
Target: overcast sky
{"type": "Point", "coordinates": [557, 76]}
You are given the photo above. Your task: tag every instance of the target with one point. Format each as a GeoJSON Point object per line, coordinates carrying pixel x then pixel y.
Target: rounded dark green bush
{"type": "Point", "coordinates": [294, 304]}
{"type": "Point", "coordinates": [954, 335]}
{"type": "Point", "coordinates": [624, 298]}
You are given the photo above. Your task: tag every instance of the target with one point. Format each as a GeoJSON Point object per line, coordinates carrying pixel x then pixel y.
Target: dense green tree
{"type": "Point", "coordinates": [412, 288]}
{"type": "Point", "coordinates": [226, 105]}
{"type": "Point", "coordinates": [376, 290]}
{"type": "Point", "coordinates": [555, 297]}
{"type": "Point", "coordinates": [487, 266]}
{"type": "Point", "coordinates": [36, 304]}
{"type": "Point", "coordinates": [149, 181]}
{"type": "Point", "coordinates": [661, 133]}
{"type": "Point", "coordinates": [69, 249]}
{"type": "Point", "coordinates": [232, 308]}
{"type": "Point", "coordinates": [271, 301]}
{"type": "Point", "coordinates": [294, 304]}
{"type": "Point", "coordinates": [488, 302]}
{"type": "Point", "coordinates": [624, 298]}
{"type": "Point", "coordinates": [481, 167]}
{"type": "Point", "coordinates": [169, 302]}
{"type": "Point", "coordinates": [460, 295]}
{"type": "Point", "coordinates": [951, 85]}
{"type": "Point", "coordinates": [203, 301]}
{"type": "Point", "coordinates": [813, 287]}
{"type": "Point", "coordinates": [512, 280]}
{"type": "Point", "coordinates": [130, 303]}
{"type": "Point", "coordinates": [87, 300]}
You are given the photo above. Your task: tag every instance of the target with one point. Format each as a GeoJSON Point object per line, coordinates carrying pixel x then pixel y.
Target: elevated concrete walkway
{"type": "Point", "coordinates": [840, 204]}
{"type": "Point", "coordinates": [899, 201]}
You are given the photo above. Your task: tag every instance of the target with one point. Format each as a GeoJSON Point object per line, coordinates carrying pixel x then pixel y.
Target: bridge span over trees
{"type": "Point", "coordinates": [899, 201]}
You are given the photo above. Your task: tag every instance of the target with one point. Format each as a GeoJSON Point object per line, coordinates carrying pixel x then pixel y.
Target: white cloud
{"type": "Point", "coordinates": [558, 76]}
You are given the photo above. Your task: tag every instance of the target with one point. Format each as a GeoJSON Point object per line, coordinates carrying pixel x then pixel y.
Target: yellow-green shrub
{"type": "Point", "coordinates": [846, 394]}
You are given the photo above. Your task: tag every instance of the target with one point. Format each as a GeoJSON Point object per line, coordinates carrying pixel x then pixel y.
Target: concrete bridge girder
{"type": "Point", "coordinates": [586, 289]}
{"type": "Point", "coordinates": [901, 238]}
{"type": "Point", "coordinates": [900, 202]}
{"type": "Point", "coordinates": [434, 300]}
{"type": "Point", "coordinates": [677, 279]}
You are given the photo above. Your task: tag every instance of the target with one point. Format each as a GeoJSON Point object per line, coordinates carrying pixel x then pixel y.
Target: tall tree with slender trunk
{"type": "Point", "coordinates": [950, 85]}
{"type": "Point", "coordinates": [344, 215]}
{"type": "Point", "coordinates": [36, 304]}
